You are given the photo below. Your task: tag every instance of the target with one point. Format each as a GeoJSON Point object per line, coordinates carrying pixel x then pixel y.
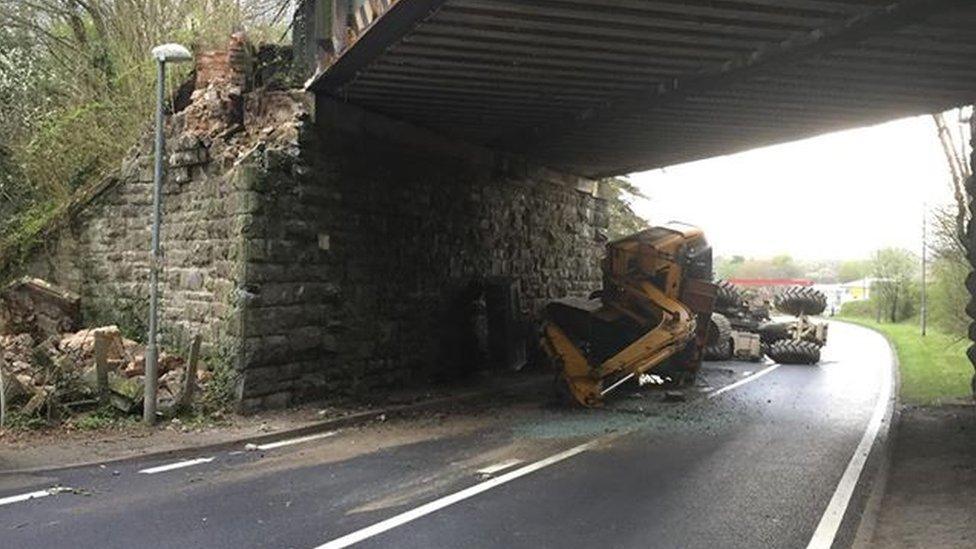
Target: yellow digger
{"type": "Point", "coordinates": [652, 313]}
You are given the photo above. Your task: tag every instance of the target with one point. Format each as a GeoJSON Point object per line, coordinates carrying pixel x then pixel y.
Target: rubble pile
{"type": "Point", "coordinates": [47, 370]}
{"type": "Point", "coordinates": [33, 306]}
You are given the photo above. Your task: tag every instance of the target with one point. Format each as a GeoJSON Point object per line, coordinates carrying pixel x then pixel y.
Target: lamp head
{"type": "Point", "coordinates": [171, 53]}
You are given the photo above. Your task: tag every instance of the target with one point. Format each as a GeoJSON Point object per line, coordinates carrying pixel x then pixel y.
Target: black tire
{"type": "Point", "coordinates": [787, 351]}
{"type": "Point", "coordinates": [727, 295]}
{"type": "Point", "coordinates": [771, 332]}
{"type": "Point", "coordinates": [719, 342]}
{"type": "Point", "coordinates": [799, 300]}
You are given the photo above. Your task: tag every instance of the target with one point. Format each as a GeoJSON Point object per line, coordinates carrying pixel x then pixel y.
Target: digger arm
{"type": "Point", "coordinates": [676, 328]}
{"type": "Point", "coordinates": [643, 280]}
{"type": "Point", "coordinates": [669, 336]}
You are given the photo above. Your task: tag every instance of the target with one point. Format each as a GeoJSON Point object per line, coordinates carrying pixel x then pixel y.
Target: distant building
{"type": "Point", "coordinates": [857, 290]}
{"type": "Point", "coordinates": [839, 294]}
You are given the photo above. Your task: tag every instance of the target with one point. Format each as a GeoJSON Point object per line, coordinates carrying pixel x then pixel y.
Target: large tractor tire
{"type": "Point", "coordinates": [719, 343]}
{"type": "Point", "coordinates": [787, 351]}
{"type": "Point", "coordinates": [799, 300]}
{"type": "Point", "coordinates": [727, 295]}
{"type": "Point", "coordinates": [771, 332]}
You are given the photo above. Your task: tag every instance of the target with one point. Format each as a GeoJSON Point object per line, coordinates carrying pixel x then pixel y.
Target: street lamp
{"type": "Point", "coordinates": [166, 53]}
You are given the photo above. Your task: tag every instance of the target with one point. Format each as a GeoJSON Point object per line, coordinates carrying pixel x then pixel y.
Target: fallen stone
{"type": "Point", "coordinates": [15, 389]}
{"type": "Point", "coordinates": [17, 350]}
{"type": "Point", "coordinates": [125, 393]}
{"type": "Point", "coordinates": [36, 402]}
{"type": "Point", "coordinates": [36, 307]}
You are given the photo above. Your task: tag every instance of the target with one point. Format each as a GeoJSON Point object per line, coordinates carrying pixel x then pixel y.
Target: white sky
{"type": "Point", "coordinates": [836, 196]}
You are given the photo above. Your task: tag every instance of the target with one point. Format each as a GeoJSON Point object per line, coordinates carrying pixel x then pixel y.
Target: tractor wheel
{"type": "Point", "coordinates": [799, 300]}
{"type": "Point", "coordinates": [771, 332]}
{"type": "Point", "coordinates": [787, 351]}
{"type": "Point", "coordinates": [718, 345]}
{"type": "Point", "coordinates": [727, 295]}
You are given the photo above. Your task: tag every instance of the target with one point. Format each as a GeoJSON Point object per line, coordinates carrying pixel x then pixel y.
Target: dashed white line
{"type": "Point", "coordinates": [34, 495]}
{"type": "Point", "coordinates": [428, 508]}
{"type": "Point", "coordinates": [743, 381]}
{"type": "Point", "coordinates": [177, 465]}
{"type": "Point", "coordinates": [492, 469]}
{"type": "Point", "coordinates": [289, 442]}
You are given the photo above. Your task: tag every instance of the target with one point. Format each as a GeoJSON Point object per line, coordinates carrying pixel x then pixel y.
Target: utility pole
{"type": "Point", "coordinates": [924, 265]}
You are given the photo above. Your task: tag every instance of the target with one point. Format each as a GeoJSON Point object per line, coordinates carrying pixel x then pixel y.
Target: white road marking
{"type": "Point", "coordinates": [743, 381]}
{"type": "Point", "coordinates": [436, 505]}
{"type": "Point", "coordinates": [446, 501]}
{"type": "Point", "coordinates": [299, 440]}
{"type": "Point", "coordinates": [34, 495]}
{"type": "Point", "coordinates": [823, 536]}
{"type": "Point", "coordinates": [177, 465]}
{"type": "Point", "coordinates": [492, 469]}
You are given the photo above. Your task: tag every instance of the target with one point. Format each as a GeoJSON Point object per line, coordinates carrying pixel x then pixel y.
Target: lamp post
{"type": "Point", "coordinates": [166, 53]}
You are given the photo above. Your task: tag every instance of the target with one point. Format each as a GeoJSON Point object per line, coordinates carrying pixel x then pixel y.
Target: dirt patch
{"type": "Point", "coordinates": [63, 445]}
{"type": "Point", "coordinates": [60, 446]}
{"type": "Point", "coordinates": [932, 483]}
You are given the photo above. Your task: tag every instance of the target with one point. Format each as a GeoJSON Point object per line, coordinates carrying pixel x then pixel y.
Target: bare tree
{"type": "Point", "coordinates": [954, 148]}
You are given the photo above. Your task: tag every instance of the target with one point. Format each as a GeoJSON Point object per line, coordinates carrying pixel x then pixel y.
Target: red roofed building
{"type": "Point", "coordinates": [763, 282]}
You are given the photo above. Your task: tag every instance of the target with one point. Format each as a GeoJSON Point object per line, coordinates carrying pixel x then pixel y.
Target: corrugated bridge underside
{"type": "Point", "coordinates": [613, 86]}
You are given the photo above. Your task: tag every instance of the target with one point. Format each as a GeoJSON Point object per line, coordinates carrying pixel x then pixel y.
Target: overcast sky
{"type": "Point", "coordinates": [837, 196]}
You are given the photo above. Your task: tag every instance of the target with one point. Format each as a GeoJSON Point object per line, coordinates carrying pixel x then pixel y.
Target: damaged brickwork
{"type": "Point", "coordinates": [323, 250]}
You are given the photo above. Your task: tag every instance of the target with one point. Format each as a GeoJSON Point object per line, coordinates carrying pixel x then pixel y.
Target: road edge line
{"type": "Point", "coordinates": [292, 441]}
{"type": "Point", "coordinates": [174, 466]}
{"type": "Point", "coordinates": [879, 426]}
{"type": "Point", "coordinates": [18, 498]}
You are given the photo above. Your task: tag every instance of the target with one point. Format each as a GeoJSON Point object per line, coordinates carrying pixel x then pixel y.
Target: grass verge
{"type": "Point", "coordinates": [934, 369]}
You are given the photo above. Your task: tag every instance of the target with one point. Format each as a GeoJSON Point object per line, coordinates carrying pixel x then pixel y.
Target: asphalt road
{"type": "Point", "coordinates": [754, 466]}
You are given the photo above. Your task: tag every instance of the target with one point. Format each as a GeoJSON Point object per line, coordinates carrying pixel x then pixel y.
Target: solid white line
{"type": "Point", "coordinates": [428, 508]}
{"type": "Point", "coordinates": [33, 495]}
{"type": "Point", "coordinates": [177, 465]}
{"type": "Point", "coordinates": [823, 536]}
{"type": "Point", "coordinates": [743, 381]}
{"type": "Point", "coordinates": [492, 469]}
{"type": "Point", "coordinates": [299, 440]}
{"type": "Point", "coordinates": [436, 505]}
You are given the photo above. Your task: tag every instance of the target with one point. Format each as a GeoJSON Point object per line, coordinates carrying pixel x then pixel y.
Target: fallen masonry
{"type": "Point", "coordinates": [52, 373]}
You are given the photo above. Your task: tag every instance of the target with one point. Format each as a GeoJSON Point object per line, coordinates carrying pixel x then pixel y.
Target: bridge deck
{"type": "Point", "coordinates": [613, 86]}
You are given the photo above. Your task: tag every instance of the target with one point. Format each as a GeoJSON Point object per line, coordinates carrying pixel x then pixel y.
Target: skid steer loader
{"type": "Point", "coordinates": [652, 313]}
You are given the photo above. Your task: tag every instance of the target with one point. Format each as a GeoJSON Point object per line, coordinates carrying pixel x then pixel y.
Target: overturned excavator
{"type": "Point", "coordinates": [651, 314]}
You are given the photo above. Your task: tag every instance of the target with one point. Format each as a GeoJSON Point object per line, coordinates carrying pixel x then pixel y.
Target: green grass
{"type": "Point", "coordinates": [934, 369]}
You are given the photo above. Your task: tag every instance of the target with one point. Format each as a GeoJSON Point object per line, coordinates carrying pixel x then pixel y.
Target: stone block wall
{"type": "Point", "coordinates": [103, 254]}
{"type": "Point", "coordinates": [326, 257]}
{"type": "Point", "coordinates": [367, 249]}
